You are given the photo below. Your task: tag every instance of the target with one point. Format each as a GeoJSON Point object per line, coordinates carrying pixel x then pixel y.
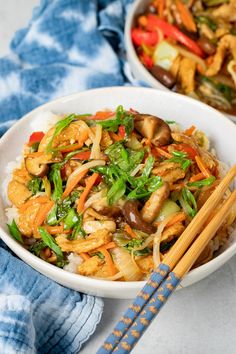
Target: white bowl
{"type": "Point", "coordinates": [167, 105]}
{"type": "Point", "coordinates": [138, 69]}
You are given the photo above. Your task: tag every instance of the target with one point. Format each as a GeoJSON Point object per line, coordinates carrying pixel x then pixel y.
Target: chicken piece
{"type": "Point", "coordinates": [90, 226]}
{"type": "Point", "coordinates": [153, 205]}
{"type": "Point", "coordinates": [145, 263]}
{"type": "Point", "coordinates": [21, 175]}
{"type": "Point", "coordinates": [93, 241]}
{"type": "Point", "coordinates": [175, 66]}
{"type": "Point", "coordinates": [226, 11]}
{"type": "Point", "coordinates": [226, 43]}
{"type": "Point", "coordinates": [182, 138]}
{"type": "Point", "coordinates": [172, 232]}
{"type": "Point", "coordinates": [186, 74]}
{"type": "Point", "coordinates": [103, 271]}
{"type": "Point", "coordinates": [69, 135]}
{"type": "Point", "coordinates": [18, 193]}
{"type": "Point", "coordinates": [220, 32]}
{"type": "Point", "coordinates": [90, 266]}
{"type": "Point", "coordinates": [27, 218]}
{"type": "Point", "coordinates": [169, 171]}
{"type": "Point", "coordinates": [106, 139]}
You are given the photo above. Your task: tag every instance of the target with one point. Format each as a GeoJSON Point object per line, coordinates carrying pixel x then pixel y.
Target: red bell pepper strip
{"type": "Point", "coordinates": [36, 137]}
{"type": "Point", "coordinates": [190, 151]}
{"type": "Point", "coordinates": [146, 60]}
{"type": "Point", "coordinates": [153, 22]}
{"type": "Point", "coordinates": [83, 155]}
{"type": "Point", "coordinates": [122, 131]}
{"type": "Point", "coordinates": [98, 180]}
{"type": "Point", "coordinates": [140, 37]}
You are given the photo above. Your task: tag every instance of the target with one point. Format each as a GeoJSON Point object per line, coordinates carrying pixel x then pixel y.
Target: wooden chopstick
{"type": "Point", "coordinates": [168, 263]}
{"type": "Point", "coordinates": [126, 344]}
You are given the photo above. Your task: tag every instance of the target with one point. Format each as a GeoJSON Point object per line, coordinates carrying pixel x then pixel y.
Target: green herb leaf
{"type": "Point", "coordinates": [14, 231]}
{"type": "Point", "coordinates": [122, 118]}
{"type": "Point", "coordinates": [59, 127]}
{"type": "Point", "coordinates": [207, 21]}
{"type": "Point", "coordinates": [132, 244]}
{"type": "Point", "coordinates": [180, 157]}
{"type": "Point", "coordinates": [35, 185]}
{"type": "Point", "coordinates": [116, 191]}
{"type": "Point", "coordinates": [205, 182]}
{"type": "Point", "coordinates": [145, 252]}
{"type": "Point", "coordinates": [50, 242]}
{"type": "Point", "coordinates": [170, 121]}
{"type": "Point", "coordinates": [148, 167]}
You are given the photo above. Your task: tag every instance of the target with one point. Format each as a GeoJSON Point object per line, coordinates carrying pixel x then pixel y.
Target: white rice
{"type": "Point", "coordinates": [74, 262]}
{"type": "Point", "coordinates": [43, 121]}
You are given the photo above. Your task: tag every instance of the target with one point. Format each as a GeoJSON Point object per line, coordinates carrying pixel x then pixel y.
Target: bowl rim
{"type": "Point", "coordinates": [51, 269]}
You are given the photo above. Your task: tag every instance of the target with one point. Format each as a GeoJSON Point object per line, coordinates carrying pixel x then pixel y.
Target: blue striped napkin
{"type": "Point", "coordinates": [68, 46]}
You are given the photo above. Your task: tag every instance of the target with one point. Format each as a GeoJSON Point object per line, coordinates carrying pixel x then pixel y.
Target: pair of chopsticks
{"type": "Point", "coordinates": [170, 272]}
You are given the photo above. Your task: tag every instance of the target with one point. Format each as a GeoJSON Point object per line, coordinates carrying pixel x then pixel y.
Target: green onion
{"type": "Point", "coordinates": [50, 242]}
{"type": "Point", "coordinates": [14, 231]}
{"type": "Point", "coordinates": [78, 229]}
{"type": "Point", "coordinates": [188, 202]}
{"type": "Point", "coordinates": [55, 177]}
{"type": "Point", "coordinates": [34, 147]}
{"type": "Point", "coordinates": [170, 121]}
{"type": "Point", "coordinates": [179, 154]}
{"type": "Point", "coordinates": [205, 182]}
{"type": "Point", "coordinates": [71, 219]}
{"type": "Point", "coordinates": [116, 191]}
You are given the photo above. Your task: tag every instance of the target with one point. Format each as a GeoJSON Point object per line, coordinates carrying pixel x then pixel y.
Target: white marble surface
{"type": "Point", "coordinates": [200, 319]}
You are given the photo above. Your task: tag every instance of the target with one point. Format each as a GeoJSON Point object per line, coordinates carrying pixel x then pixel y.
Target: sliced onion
{"type": "Point", "coordinates": [96, 152]}
{"type": "Point", "coordinates": [123, 261]}
{"type": "Point", "coordinates": [93, 199]}
{"type": "Point", "coordinates": [157, 240]}
{"type": "Point", "coordinates": [191, 56]}
{"type": "Point", "coordinates": [84, 167]}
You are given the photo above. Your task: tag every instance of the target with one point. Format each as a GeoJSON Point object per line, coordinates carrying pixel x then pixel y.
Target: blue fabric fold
{"type": "Point", "coordinates": [68, 46]}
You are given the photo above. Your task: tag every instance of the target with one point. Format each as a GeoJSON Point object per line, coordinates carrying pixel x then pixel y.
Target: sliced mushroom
{"type": "Point", "coordinates": [134, 218]}
{"type": "Point", "coordinates": [38, 165]}
{"type": "Point", "coordinates": [35, 166]}
{"type": "Point", "coordinates": [153, 128]}
{"type": "Point", "coordinates": [154, 203]}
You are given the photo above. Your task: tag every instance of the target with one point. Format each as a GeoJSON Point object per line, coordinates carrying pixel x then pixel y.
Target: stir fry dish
{"type": "Point", "coordinates": [190, 47]}
{"type": "Point", "coordinates": [107, 195]}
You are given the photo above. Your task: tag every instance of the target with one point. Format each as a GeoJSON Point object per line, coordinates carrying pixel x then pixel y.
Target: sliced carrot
{"type": "Point", "coordinates": [108, 260]}
{"type": "Point", "coordinates": [186, 16]}
{"type": "Point", "coordinates": [115, 137]}
{"type": "Point", "coordinates": [30, 202]}
{"type": "Point", "coordinates": [176, 218]}
{"type": "Point", "coordinates": [43, 211]}
{"type": "Point", "coordinates": [101, 115]}
{"type": "Point", "coordinates": [73, 184]}
{"type": "Point", "coordinates": [110, 245]}
{"type": "Point", "coordinates": [190, 130]}
{"type": "Point", "coordinates": [142, 21]}
{"type": "Point", "coordinates": [129, 231]}
{"type": "Point", "coordinates": [163, 153]}
{"type": "Point", "coordinates": [202, 167]}
{"type": "Point", "coordinates": [89, 184]}
{"type": "Point", "coordinates": [161, 8]}
{"type": "Point", "coordinates": [84, 255]}
{"type": "Point", "coordinates": [53, 230]}
{"type": "Point", "coordinates": [197, 177]}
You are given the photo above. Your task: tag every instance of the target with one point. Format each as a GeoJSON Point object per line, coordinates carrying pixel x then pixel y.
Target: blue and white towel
{"type": "Point", "coordinates": [69, 46]}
